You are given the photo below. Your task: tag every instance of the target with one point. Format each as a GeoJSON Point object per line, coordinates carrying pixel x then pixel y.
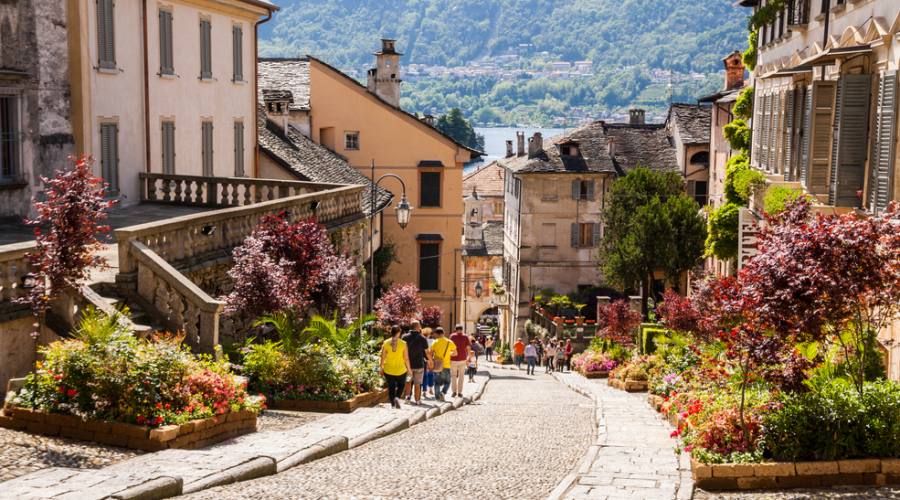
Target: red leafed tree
{"type": "Point", "coordinates": [617, 322]}
{"type": "Point", "coordinates": [431, 316]}
{"type": "Point", "coordinates": [400, 305]}
{"type": "Point", "coordinates": [678, 313]}
{"type": "Point", "coordinates": [827, 277]}
{"type": "Point", "coordinates": [66, 231]}
{"type": "Point", "coordinates": [290, 266]}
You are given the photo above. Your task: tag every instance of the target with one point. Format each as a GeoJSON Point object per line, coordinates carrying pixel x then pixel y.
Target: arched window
{"type": "Point", "coordinates": [701, 158]}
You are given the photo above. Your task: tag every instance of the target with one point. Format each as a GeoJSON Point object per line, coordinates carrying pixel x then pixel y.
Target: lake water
{"type": "Point", "coordinates": [495, 141]}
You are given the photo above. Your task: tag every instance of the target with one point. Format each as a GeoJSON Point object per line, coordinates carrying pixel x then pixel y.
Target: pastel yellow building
{"type": "Point", "coordinates": [364, 124]}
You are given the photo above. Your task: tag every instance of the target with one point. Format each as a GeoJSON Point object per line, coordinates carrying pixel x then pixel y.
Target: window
{"type": "Point", "coordinates": [430, 186]}
{"type": "Point", "coordinates": [548, 235]}
{"type": "Point", "coordinates": [429, 266]}
{"type": "Point", "coordinates": [166, 60]}
{"type": "Point", "coordinates": [207, 148]}
{"type": "Point", "coordinates": [9, 139]}
{"type": "Point", "coordinates": [518, 188]}
{"type": "Point", "coordinates": [549, 192]}
{"type": "Point", "coordinates": [237, 47]}
{"type": "Point", "coordinates": [585, 234]}
{"type": "Point", "coordinates": [109, 155]}
{"type": "Point", "coordinates": [351, 140]}
{"type": "Point", "coordinates": [205, 49]}
{"type": "Point", "coordinates": [168, 147]}
{"type": "Point", "coordinates": [583, 190]}
{"type": "Point", "coordinates": [106, 46]}
{"type": "Point", "coordinates": [238, 149]}
{"type": "Point", "coordinates": [699, 190]}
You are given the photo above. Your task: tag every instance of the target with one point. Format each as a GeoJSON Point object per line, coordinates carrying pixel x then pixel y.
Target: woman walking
{"type": "Point", "coordinates": [395, 365]}
{"type": "Point", "coordinates": [560, 357]}
{"type": "Point", "coordinates": [569, 350]}
{"type": "Point", "coordinates": [551, 356]}
{"type": "Point", "coordinates": [531, 357]}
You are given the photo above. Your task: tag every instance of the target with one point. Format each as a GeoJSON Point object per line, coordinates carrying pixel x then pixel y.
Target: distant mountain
{"type": "Point", "coordinates": [639, 36]}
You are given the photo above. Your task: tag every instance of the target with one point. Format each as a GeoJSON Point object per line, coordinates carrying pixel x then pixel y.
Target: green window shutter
{"type": "Point", "coordinates": [806, 133]}
{"type": "Point", "coordinates": [576, 190]}
{"type": "Point", "coordinates": [881, 173]}
{"type": "Point", "coordinates": [106, 44]}
{"type": "Point", "coordinates": [851, 141]}
{"type": "Point", "coordinates": [590, 190]}
{"type": "Point", "coordinates": [595, 229]}
{"type": "Point", "coordinates": [820, 134]}
{"type": "Point", "coordinates": [166, 61]}
{"type": "Point", "coordinates": [207, 147]}
{"type": "Point", "coordinates": [237, 36]}
{"type": "Point", "coordinates": [756, 147]}
{"type": "Point", "coordinates": [239, 149]}
{"type": "Point", "coordinates": [205, 49]}
{"type": "Point", "coordinates": [168, 147]}
{"type": "Point", "coordinates": [109, 155]}
{"type": "Point", "coordinates": [574, 235]}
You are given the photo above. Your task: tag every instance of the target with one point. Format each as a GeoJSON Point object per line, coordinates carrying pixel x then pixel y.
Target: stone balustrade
{"type": "Point", "coordinates": [181, 304]}
{"type": "Point", "coordinates": [190, 190]}
{"type": "Point", "coordinates": [191, 237]}
{"type": "Point", "coordinates": [13, 266]}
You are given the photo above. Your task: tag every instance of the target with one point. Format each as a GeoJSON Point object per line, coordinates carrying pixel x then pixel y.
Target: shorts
{"type": "Point", "coordinates": [418, 374]}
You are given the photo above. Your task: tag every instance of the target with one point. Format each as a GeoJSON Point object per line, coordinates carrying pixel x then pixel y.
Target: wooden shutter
{"type": "Point", "coordinates": [590, 190]}
{"type": "Point", "coordinates": [109, 155]}
{"type": "Point", "coordinates": [765, 145]}
{"type": "Point", "coordinates": [576, 190]}
{"type": "Point", "coordinates": [822, 95]}
{"type": "Point", "coordinates": [205, 49]}
{"type": "Point", "coordinates": [881, 173]}
{"type": "Point", "coordinates": [757, 127]}
{"type": "Point", "coordinates": [166, 62]}
{"type": "Point", "coordinates": [574, 235]}
{"type": "Point", "coordinates": [851, 144]}
{"type": "Point", "coordinates": [237, 53]}
{"type": "Point", "coordinates": [207, 149]}
{"type": "Point", "coordinates": [106, 43]}
{"type": "Point", "coordinates": [168, 147]}
{"type": "Point", "coordinates": [806, 133]}
{"type": "Point", "coordinates": [788, 134]}
{"type": "Point", "coordinates": [595, 230]}
{"type": "Point", "coordinates": [239, 149]}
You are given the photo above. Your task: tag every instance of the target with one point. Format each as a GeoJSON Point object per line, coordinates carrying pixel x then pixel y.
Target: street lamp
{"type": "Point", "coordinates": [404, 211]}
{"type": "Point", "coordinates": [478, 289]}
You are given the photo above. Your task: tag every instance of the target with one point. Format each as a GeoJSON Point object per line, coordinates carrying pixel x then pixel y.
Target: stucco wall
{"type": "Point", "coordinates": [397, 144]}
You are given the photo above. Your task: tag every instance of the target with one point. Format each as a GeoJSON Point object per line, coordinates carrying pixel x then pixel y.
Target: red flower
{"type": "Point", "coordinates": [675, 433]}
{"type": "Point", "coordinates": [140, 419]}
{"type": "Point", "coordinates": [159, 406]}
{"type": "Point", "coordinates": [168, 406]}
{"type": "Point", "coordinates": [71, 393]}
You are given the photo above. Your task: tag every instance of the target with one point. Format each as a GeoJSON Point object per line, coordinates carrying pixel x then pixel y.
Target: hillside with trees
{"type": "Point", "coordinates": [628, 41]}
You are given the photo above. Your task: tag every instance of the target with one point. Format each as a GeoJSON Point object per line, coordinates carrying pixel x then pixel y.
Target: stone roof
{"type": "Point", "coordinates": [486, 181]}
{"type": "Point", "coordinates": [692, 121]}
{"type": "Point", "coordinates": [309, 161]}
{"type": "Point", "coordinates": [269, 95]}
{"type": "Point", "coordinates": [290, 75]}
{"type": "Point", "coordinates": [646, 145]}
{"type": "Point", "coordinates": [484, 240]}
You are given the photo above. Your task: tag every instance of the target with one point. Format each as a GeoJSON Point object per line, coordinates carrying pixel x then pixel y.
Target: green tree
{"type": "Point", "coordinates": [456, 126]}
{"type": "Point", "coordinates": [650, 225]}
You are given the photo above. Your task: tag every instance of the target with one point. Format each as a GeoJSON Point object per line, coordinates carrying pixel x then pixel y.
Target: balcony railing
{"type": "Point", "coordinates": [798, 13]}
{"type": "Point", "coordinates": [13, 266]}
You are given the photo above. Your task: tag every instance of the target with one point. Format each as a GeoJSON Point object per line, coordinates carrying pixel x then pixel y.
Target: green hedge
{"type": "Point", "coordinates": [647, 336]}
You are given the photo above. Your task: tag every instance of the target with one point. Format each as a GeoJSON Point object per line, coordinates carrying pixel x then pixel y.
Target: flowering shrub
{"type": "Point", "coordinates": [637, 369]}
{"type": "Point", "coordinates": [107, 373]}
{"type": "Point", "coordinates": [593, 362]}
{"type": "Point", "coordinates": [400, 305]}
{"type": "Point", "coordinates": [431, 316]}
{"type": "Point", "coordinates": [617, 322]}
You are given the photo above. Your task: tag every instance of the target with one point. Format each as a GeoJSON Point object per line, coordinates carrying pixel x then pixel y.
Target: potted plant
{"type": "Point", "coordinates": [579, 319]}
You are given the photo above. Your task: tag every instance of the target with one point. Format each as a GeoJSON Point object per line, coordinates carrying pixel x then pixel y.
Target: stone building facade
{"type": "Point", "coordinates": [35, 111]}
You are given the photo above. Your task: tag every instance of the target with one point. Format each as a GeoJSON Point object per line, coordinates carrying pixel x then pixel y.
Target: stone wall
{"type": "Point", "coordinates": [34, 58]}
{"type": "Point", "coordinates": [17, 349]}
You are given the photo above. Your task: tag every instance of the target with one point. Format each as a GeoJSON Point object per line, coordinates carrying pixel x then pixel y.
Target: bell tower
{"type": "Point", "coordinates": [384, 79]}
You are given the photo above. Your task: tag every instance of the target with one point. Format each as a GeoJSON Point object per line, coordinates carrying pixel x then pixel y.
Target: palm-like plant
{"type": "Point", "coordinates": [348, 339]}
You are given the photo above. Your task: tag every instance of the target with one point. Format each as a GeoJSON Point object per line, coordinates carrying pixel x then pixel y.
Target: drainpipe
{"type": "Point", "coordinates": [254, 97]}
{"type": "Point", "coordinates": [827, 30]}
{"type": "Point", "coordinates": [146, 88]}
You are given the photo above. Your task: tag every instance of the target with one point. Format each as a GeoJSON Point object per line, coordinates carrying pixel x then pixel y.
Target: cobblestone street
{"type": "Point", "coordinates": [518, 441]}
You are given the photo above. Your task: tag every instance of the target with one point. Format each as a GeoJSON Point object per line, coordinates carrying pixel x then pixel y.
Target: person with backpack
{"type": "Point", "coordinates": [560, 357]}
{"type": "Point", "coordinates": [444, 350]}
{"type": "Point", "coordinates": [458, 360]}
{"type": "Point", "coordinates": [395, 365]}
{"type": "Point", "coordinates": [416, 346]}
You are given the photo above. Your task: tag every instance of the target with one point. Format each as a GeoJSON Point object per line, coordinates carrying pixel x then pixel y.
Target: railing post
{"type": "Point", "coordinates": [209, 329]}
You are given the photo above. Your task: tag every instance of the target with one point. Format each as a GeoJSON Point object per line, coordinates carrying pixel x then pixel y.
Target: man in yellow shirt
{"type": "Point", "coordinates": [443, 349]}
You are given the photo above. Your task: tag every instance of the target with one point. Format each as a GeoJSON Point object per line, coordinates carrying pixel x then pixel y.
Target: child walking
{"type": "Point", "coordinates": [472, 366]}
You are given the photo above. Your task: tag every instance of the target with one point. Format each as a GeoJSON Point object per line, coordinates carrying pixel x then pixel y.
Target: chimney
{"type": "Point", "coordinates": [535, 145]}
{"type": "Point", "coordinates": [384, 79]}
{"type": "Point", "coordinates": [734, 71]}
{"type": "Point", "coordinates": [636, 116]}
{"type": "Point", "coordinates": [611, 145]}
{"type": "Point", "coordinates": [509, 149]}
{"type": "Point", "coordinates": [520, 142]}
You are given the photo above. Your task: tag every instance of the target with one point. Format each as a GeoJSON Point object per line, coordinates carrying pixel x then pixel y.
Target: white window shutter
{"type": "Point", "coordinates": [881, 172]}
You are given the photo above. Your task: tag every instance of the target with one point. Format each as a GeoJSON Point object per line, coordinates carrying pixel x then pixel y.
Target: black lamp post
{"type": "Point", "coordinates": [404, 211]}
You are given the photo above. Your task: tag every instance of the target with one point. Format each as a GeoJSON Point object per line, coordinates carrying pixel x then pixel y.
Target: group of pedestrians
{"type": "Point", "coordinates": [553, 354]}
{"type": "Point", "coordinates": [426, 363]}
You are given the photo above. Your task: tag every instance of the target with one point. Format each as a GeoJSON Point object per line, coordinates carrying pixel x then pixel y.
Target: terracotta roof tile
{"type": "Point", "coordinates": [486, 181]}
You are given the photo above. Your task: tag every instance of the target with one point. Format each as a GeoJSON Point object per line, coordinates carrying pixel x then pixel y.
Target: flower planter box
{"type": "Point", "coordinates": [784, 475]}
{"type": "Point", "coordinates": [595, 374]}
{"type": "Point", "coordinates": [360, 401]}
{"type": "Point", "coordinates": [194, 434]}
{"type": "Point", "coordinates": [629, 385]}
{"type": "Point", "coordinates": [655, 401]}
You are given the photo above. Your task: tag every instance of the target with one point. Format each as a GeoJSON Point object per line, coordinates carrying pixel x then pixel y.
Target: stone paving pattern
{"type": "Point", "coordinates": [633, 455]}
{"type": "Point", "coordinates": [518, 441]}
{"type": "Point", "coordinates": [834, 493]}
{"type": "Point", "coordinates": [171, 472]}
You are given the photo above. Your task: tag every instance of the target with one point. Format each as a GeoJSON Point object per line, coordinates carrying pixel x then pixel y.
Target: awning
{"type": "Point", "coordinates": [786, 72]}
{"type": "Point", "coordinates": [825, 58]}
{"type": "Point", "coordinates": [430, 163]}
{"type": "Point", "coordinates": [429, 237]}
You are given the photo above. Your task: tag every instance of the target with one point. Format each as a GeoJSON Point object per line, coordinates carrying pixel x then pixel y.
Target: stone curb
{"type": "Point", "coordinates": [322, 449]}
{"type": "Point", "coordinates": [166, 486]}
{"type": "Point", "coordinates": [154, 489]}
